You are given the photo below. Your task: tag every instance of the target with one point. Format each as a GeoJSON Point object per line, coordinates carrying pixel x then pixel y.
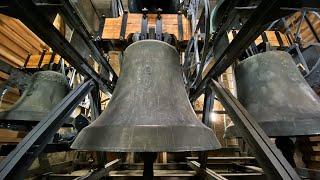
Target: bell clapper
{"type": "Point", "coordinates": [148, 160]}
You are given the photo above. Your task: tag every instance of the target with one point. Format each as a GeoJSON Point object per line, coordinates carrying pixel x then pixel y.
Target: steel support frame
{"type": "Point", "coordinates": [69, 15]}
{"type": "Point", "coordinates": [229, 17]}
{"type": "Point", "coordinates": [205, 172]}
{"type": "Point", "coordinates": [296, 47]}
{"type": "Point", "coordinates": [103, 172]}
{"type": "Point", "coordinates": [35, 20]}
{"type": "Point", "coordinates": [268, 156]}
{"type": "Point", "coordinates": [247, 34]}
{"type": "Point", "coordinates": [17, 162]}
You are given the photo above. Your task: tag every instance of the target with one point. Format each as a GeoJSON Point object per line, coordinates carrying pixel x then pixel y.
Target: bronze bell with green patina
{"type": "Point", "coordinates": [274, 92]}
{"type": "Point", "coordinates": [149, 110]}
{"type": "Point", "coordinates": [45, 91]}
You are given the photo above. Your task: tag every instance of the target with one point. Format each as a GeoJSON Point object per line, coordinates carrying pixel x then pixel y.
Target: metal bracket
{"type": "Point", "coordinates": [152, 33]}
{"type": "Point", "coordinates": [296, 47]}
{"type": "Point", "coordinates": [41, 58]}
{"type": "Point", "coordinates": [279, 39]}
{"type": "Point", "coordinates": [264, 37]}
{"type": "Point", "coordinates": [144, 25]}
{"type": "Point", "coordinates": [180, 26]}
{"type": "Point", "coordinates": [123, 26]}
{"type": "Point", "coordinates": [27, 60]}
{"type": "Point", "coordinates": [159, 25]}
{"type": "Point", "coordinates": [53, 55]}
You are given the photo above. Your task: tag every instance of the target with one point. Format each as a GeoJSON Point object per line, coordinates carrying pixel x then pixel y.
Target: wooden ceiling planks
{"type": "Point", "coordinates": [17, 42]}
{"type": "Point", "coordinates": [306, 33]}
{"type": "Point", "coordinates": [17, 27]}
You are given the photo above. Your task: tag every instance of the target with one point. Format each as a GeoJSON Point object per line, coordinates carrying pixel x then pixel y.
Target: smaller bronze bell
{"type": "Point", "coordinates": [47, 89]}
{"type": "Point", "coordinates": [271, 88]}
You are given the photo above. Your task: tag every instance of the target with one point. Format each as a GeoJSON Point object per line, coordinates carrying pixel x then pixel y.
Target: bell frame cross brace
{"type": "Point", "coordinates": [32, 145]}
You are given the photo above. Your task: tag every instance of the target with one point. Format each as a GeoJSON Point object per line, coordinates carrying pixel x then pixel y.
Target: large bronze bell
{"type": "Point", "coordinates": [149, 110]}
{"type": "Point", "coordinates": [47, 89]}
{"type": "Point", "coordinates": [275, 93]}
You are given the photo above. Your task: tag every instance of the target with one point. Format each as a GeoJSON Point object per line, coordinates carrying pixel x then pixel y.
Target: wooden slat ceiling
{"type": "Point", "coordinates": [306, 33]}
{"type": "Point", "coordinates": [17, 42]}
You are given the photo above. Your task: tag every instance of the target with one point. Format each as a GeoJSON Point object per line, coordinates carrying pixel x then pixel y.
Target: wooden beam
{"type": "Point", "coordinates": [9, 55]}
{"type": "Point", "coordinates": [10, 136]}
{"type": "Point", "coordinates": [13, 46]}
{"type": "Point", "coordinates": [3, 76]}
{"type": "Point", "coordinates": [6, 30]}
{"type": "Point", "coordinates": [19, 28]}
{"type": "Point", "coordinates": [10, 98]}
{"type": "Point", "coordinates": [4, 59]}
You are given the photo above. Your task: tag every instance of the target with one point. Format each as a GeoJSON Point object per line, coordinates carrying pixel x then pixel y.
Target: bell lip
{"type": "Point", "coordinates": [208, 141]}
{"type": "Point", "coordinates": [16, 115]}
{"type": "Point", "coordinates": [153, 40]}
{"type": "Point", "coordinates": [98, 148]}
{"type": "Point", "coordinates": [19, 117]}
{"type": "Point", "coordinates": [275, 129]}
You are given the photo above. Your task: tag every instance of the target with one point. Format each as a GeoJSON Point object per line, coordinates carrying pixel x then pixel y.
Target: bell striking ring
{"type": "Point", "coordinates": [149, 110]}
{"type": "Point", "coordinates": [46, 89]}
{"type": "Point", "coordinates": [271, 88]}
